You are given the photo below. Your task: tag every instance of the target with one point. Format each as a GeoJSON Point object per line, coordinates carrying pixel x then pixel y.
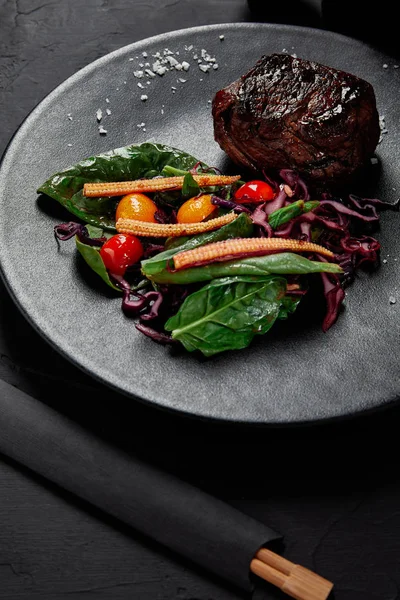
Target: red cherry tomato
{"type": "Point", "coordinates": [253, 192]}
{"type": "Point", "coordinates": [120, 252]}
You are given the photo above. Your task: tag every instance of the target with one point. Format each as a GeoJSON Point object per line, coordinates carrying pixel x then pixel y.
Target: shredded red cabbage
{"type": "Point", "coordinates": [230, 204]}
{"type": "Point", "coordinates": [157, 336]}
{"type": "Point", "coordinates": [335, 224]}
{"type": "Point", "coordinates": [65, 231]}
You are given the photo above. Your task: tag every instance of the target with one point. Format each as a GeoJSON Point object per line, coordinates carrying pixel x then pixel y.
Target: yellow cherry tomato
{"type": "Point", "coordinates": [196, 209]}
{"type": "Point", "coordinates": [136, 206]}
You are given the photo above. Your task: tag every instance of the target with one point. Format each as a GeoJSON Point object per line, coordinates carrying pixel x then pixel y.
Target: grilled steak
{"type": "Point", "coordinates": [292, 113]}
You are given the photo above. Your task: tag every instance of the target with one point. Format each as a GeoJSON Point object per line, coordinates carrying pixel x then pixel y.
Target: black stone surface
{"type": "Point", "coordinates": [334, 490]}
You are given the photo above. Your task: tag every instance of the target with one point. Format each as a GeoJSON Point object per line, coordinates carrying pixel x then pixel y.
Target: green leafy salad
{"type": "Point", "coordinates": [203, 259]}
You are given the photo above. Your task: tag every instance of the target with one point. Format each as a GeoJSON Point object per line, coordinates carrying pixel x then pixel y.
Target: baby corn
{"type": "Point", "coordinates": [242, 248]}
{"type": "Point", "coordinates": [157, 184]}
{"type": "Point", "coordinates": [143, 228]}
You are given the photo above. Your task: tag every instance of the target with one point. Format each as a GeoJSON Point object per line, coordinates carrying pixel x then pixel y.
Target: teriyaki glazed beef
{"type": "Point", "coordinates": [292, 113]}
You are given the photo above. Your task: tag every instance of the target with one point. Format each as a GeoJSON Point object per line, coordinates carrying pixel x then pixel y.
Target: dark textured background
{"type": "Point", "coordinates": [333, 490]}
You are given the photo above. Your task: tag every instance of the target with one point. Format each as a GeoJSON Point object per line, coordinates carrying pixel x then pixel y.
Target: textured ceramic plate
{"type": "Point", "coordinates": [296, 373]}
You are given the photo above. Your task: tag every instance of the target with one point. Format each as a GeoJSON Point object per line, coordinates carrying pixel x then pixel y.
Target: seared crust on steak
{"type": "Point", "coordinates": [292, 113]}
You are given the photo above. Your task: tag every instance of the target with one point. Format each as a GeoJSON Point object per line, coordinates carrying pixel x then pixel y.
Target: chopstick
{"type": "Point", "coordinates": [296, 581]}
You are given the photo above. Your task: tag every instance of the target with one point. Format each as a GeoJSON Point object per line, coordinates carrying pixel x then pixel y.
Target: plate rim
{"type": "Point", "coordinates": [317, 420]}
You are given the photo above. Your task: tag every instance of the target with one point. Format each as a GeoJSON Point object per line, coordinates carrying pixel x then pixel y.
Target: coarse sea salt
{"type": "Point", "coordinates": [102, 131]}
{"type": "Point", "coordinates": [99, 115]}
{"type": "Point", "coordinates": [144, 97]}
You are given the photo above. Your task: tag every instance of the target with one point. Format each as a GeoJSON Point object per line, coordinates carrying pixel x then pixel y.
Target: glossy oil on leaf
{"type": "Point", "coordinates": [227, 313]}
{"type": "Point", "coordinates": [123, 164]}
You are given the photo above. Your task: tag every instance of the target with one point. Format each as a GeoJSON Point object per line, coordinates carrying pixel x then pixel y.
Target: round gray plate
{"type": "Point", "coordinates": [294, 374]}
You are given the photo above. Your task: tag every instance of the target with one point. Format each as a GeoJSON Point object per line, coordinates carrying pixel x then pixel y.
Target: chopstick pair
{"type": "Point", "coordinates": [296, 581]}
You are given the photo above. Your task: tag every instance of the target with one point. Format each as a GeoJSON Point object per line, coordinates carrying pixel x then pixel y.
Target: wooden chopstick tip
{"type": "Point", "coordinates": [294, 580]}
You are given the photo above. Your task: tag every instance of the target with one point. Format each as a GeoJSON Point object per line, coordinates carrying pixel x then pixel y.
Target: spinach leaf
{"type": "Point", "coordinates": [240, 227]}
{"type": "Point", "coordinates": [91, 255]}
{"type": "Point", "coordinates": [288, 306]}
{"type": "Point", "coordinates": [97, 232]}
{"type": "Point", "coordinates": [283, 263]}
{"type": "Point", "coordinates": [190, 187]}
{"type": "Point", "coordinates": [122, 164]}
{"type": "Point", "coordinates": [227, 313]}
{"type": "Point", "coordinates": [287, 213]}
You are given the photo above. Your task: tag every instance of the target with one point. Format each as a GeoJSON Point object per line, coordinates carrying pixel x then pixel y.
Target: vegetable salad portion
{"type": "Point", "coordinates": [204, 259]}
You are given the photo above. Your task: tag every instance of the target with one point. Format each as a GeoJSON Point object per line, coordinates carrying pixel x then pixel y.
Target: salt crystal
{"type": "Point", "coordinates": [221, 37]}
{"type": "Point", "coordinates": [150, 73]}
{"type": "Point", "coordinates": [143, 97]}
{"type": "Point", "coordinates": [124, 82]}
{"type": "Point", "coordinates": [178, 67]}
{"type": "Point", "coordinates": [182, 80]}
{"type": "Point", "coordinates": [159, 68]}
{"type": "Point", "coordinates": [131, 59]}
{"type": "Point", "coordinates": [99, 114]}
{"type": "Point", "coordinates": [107, 100]}
{"type": "Point", "coordinates": [215, 66]}
{"type": "Point", "coordinates": [144, 128]}
{"type": "Point", "coordinates": [189, 48]}
{"type": "Point", "coordinates": [185, 65]}
{"type": "Point", "coordinates": [102, 131]}
{"type": "Point", "coordinates": [140, 85]}
{"type": "Point", "coordinates": [204, 68]}
{"type": "Point", "coordinates": [138, 73]}
{"type": "Point", "coordinates": [141, 65]}
{"type": "Point", "coordinates": [396, 66]}
{"type": "Point", "coordinates": [172, 61]}
{"type": "Point", "coordinates": [195, 56]}
{"type": "Point", "coordinates": [144, 54]}
{"type": "Point", "coordinates": [108, 111]}
{"type": "Point", "coordinates": [384, 261]}
{"type": "Point", "coordinates": [374, 161]}
{"type": "Point", "coordinates": [392, 300]}
{"type": "Point", "coordinates": [69, 145]}
{"type": "Point", "coordinates": [385, 66]}
{"type": "Point", "coordinates": [148, 82]}
{"type": "Point", "coordinates": [69, 118]}
{"type": "Point", "coordinates": [162, 111]}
